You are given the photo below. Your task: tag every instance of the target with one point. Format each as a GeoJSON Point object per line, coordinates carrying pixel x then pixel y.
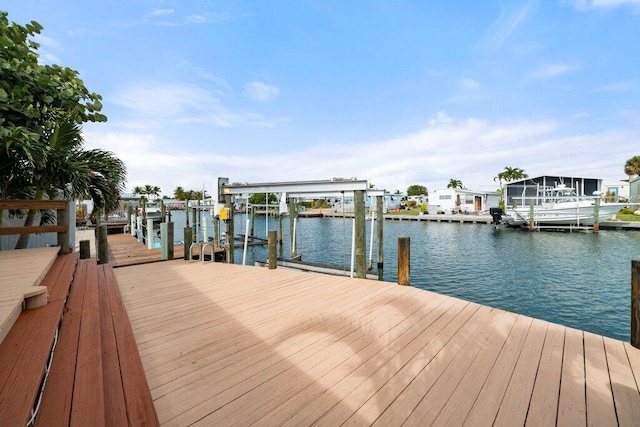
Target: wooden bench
{"type": "Point", "coordinates": [96, 376]}
{"type": "Point", "coordinates": [25, 351]}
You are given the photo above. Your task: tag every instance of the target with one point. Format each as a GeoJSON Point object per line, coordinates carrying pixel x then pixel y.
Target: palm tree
{"type": "Point", "coordinates": [455, 183]}
{"type": "Point", "coordinates": [179, 193]}
{"type": "Point", "coordinates": [152, 190]}
{"type": "Point", "coordinates": [510, 174]}
{"type": "Point", "coordinates": [632, 167]}
{"type": "Point", "coordinates": [507, 175]}
{"type": "Point", "coordinates": [68, 171]}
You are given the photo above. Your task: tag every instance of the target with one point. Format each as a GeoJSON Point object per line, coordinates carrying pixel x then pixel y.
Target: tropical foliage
{"type": "Point", "coordinates": [147, 191]}
{"type": "Point", "coordinates": [417, 190]}
{"type": "Point", "coordinates": [455, 183]}
{"type": "Point", "coordinates": [34, 100]}
{"type": "Point", "coordinates": [41, 146]}
{"type": "Point", "coordinates": [181, 194]}
{"type": "Point", "coordinates": [632, 167]}
{"type": "Point", "coordinates": [69, 171]}
{"type": "Point", "coordinates": [510, 174]}
{"type": "Point", "coordinates": [259, 198]}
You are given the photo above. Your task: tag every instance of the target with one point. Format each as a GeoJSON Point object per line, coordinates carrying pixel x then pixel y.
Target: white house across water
{"type": "Point", "coordinates": [457, 200]}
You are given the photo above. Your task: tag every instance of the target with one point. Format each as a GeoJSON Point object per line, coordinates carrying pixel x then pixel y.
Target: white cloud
{"type": "Point", "coordinates": [163, 104]}
{"type": "Point", "coordinates": [546, 71]}
{"type": "Point", "coordinates": [511, 17]}
{"type": "Point", "coordinates": [161, 12]}
{"type": "Point", "coordinates": [261, 92]}
{"type": "Point", "coordinates": [164, 99]}
{"type": "Point", "coordinates": [471, 150]}
{"type": "Point", "coordinates": [605, 4]}
{"type": "Point", "coordinates": [47, 48]}
{"type": "Point", "coordinates": [620, 86]}
{"type": "Point", "coordinates": [469, 84]}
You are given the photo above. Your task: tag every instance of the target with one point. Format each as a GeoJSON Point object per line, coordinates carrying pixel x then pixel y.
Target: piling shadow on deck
{"type": "Point", "coordinates": [238, 345]}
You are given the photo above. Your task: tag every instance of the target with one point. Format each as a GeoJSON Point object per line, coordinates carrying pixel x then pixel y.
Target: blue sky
{"type": "Point", "coordinates": [396, 92]}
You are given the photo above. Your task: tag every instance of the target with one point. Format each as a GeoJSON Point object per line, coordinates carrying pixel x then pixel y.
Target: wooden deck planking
{"type": "Point", "coordinates": [543, 407]}
{"type": "Point", "coordinates": [514, 403]}
{"type": "Point", "coordinates": [237, 345]}
{"type": "Point", "coordinates": [268, 395]}
{"type": "Point", "coordinates": [625, 389]}
{"type": "Point", "coordinates": [125, 250]}
{"type": "Point", "coordinates": [88, 391]}
{"type": "Point", "coordinates": [346, 378]}
{"type": "Point", "coordinates": [21, 269]}
{"type": "Point", "coordinates": [572, 405]}
{"type": "Point", "coordinates": [601, 410]}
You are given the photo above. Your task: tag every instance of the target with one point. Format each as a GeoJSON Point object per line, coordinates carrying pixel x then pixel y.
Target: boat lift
{"type": "Point", "coordinates": [323, 188]}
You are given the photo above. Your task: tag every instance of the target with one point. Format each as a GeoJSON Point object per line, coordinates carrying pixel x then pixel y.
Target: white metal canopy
{"type": "Point", "coordinates": [334, 185]}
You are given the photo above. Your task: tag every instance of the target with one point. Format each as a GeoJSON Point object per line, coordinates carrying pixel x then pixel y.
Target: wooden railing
{"type": "Point", "coordinates": [62, 227]}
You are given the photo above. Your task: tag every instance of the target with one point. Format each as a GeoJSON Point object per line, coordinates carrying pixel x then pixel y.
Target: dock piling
{"type": "Point", "coordinates": [360, 239]}
{"type": "Point", "coordinates": [635, 303]}
{"type": "Point", "coordinates": [273, 254]}
{"type": "Point", "coordinates": [380, 224]}
{"type": "Point", "coordinates": [404, 263]}
{"type": "Point", "coordinates": [85, 249]}
{"type": "Point", "coordinates": [166, 237]}
{"type": "Point", "coordinates": [103, 245]}
{"type": "Point", "coordinates": [187, 241]}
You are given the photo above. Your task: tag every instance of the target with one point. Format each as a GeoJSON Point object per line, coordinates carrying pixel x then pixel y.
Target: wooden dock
{"type": "Point", "coordinates": [233, 345]}
{"type": "Point", "coordinates": [21, 272]}
{"type": "Point", "coordinates": [124, 249]}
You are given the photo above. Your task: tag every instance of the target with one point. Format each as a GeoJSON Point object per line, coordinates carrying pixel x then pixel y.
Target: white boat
{"type": "Point", "coordinates": [153, 210]}
{"type": "Point", "coordinates": [560, 206]}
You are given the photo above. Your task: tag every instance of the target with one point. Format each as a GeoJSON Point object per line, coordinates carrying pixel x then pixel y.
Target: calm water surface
{"type": "Point", "coordinates": [577, 279]}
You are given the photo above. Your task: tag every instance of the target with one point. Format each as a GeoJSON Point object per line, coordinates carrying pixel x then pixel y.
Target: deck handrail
{"type": "Point", "coordinates": [63, 226]}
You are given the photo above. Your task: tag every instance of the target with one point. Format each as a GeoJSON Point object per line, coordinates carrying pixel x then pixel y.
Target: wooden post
{"type": "Point", "coordinates": [63, 237]}
{"type": "Point", "coordinates": [273, 255]}
{"type": "Point", "coordinates": [139, 231]}
{"type": "Point", "coordinates": [194, 225]}
{"type": "Point", "coordinates": [280, 234]}
{"type": "Point", "coordinates": [163, 211]}
{"type": "Point", "coordinates": [85, 249]}
{"type": "Point", "coordinates": [292, 218]}
{"type": "Point", "coordinates": [216, 230]}
{"type": "Point", "coordinates": [404, 260]}
{"type": "Point", "coordinates": [230, 230]}
{"type": "Point", "coordinates": [252, 221]}
{"type": "Point", "coordinates": [635, 304]}
{"type": "Point", "coordinates": [596, 215]}
{"type": "Point", "coordinates": [166, 239]}
{"type": "Point", "coordinates": [103, 245]}
{"type": "Point", "coordinates": [380, 223]}
{"type": "Point", "coordinates": [531, 218]}
{"type": "Point", "coordinates": [187, 242]}
{"type": "Point", "coordinates": [360, 240]}
{"type": "Point", "coordinates": [150, 233]}
{"type": "Point", "coordinates": [133, 223]}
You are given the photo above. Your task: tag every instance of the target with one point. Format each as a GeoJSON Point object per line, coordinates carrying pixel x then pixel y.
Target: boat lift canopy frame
{"type": "Point", "coordinates": [320, 188]}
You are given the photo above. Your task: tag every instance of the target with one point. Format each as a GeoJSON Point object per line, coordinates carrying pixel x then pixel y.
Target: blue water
{"type": "Point", "coordinates": [579, 279]}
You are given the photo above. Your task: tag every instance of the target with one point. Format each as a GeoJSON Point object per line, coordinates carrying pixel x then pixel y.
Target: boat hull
{"type": "Point", "coordinates": [576, 215]}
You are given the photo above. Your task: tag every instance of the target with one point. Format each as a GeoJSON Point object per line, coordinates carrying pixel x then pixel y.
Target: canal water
{"type": "Point", "coordinates": [580, 279]}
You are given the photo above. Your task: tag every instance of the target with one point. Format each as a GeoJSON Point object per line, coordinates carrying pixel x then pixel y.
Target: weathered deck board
{"type": "Point", "coordinates": [225, 344]}
{"type": "Point", "coordinates": [21, 269]}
